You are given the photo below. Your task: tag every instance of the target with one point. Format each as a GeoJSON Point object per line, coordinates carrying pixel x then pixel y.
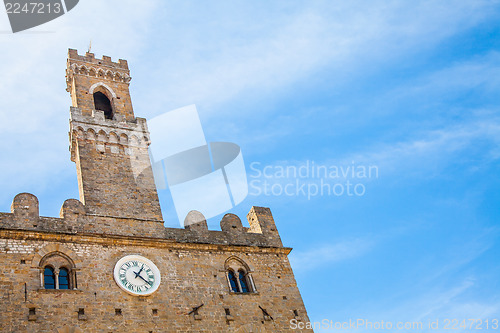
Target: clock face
{"type": "Point", "coordinates": [137, 275]}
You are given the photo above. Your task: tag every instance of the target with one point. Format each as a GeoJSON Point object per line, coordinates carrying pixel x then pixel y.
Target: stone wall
{"type": "Point", "coordinates": [113, 167]}
{"type": "Point", "coordinates": [192, 274]}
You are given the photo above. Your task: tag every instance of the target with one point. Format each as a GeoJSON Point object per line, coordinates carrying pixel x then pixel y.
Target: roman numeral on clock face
{"type": "Point", "coordinates": [137, 276]}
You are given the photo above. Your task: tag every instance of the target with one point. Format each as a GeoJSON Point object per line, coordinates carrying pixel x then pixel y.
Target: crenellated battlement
{"type": "Point", "coordinates": [75, 218]}
{"type": "Point", "coordinates": [103, 70]}
{"type": "Point", "coordinates": [90, 58]}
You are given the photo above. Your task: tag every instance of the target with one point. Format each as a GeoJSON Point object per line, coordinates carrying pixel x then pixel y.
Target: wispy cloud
{"type": "Point", "coordinates": [432, 290]}
{"type": "Point", "coordinates": [429, 154]}
{"type": "Point", "coordinates": [328, 254]}
{"type": "Point", "coordinates": [435, 304]}
{"type": "Point", "coordinates": [314, 37]}
{"type": "Point", "coordinates": [425, 157]}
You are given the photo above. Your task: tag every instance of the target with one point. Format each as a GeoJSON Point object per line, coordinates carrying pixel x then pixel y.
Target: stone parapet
{"type": "Point", "coordinates": [76, 220]}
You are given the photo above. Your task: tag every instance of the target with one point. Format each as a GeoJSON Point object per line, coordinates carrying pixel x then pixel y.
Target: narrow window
{"type": "Point", "coordinates": [49, 278]}
{"type": "Point", "coordinates": [63, 278]}
{"type": "Point", "coordinates": [233, 281]}
{"type": "Point", "coordinates": [102, 103]}
{"type": "Point", "coordinates": [243, 282]}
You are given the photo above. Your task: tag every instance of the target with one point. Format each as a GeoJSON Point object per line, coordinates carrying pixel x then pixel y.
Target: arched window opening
{"type": "Point", "coordinates": [102, 103]}
{"type": "Point", "coordinates": [243, 282]}
{"type": "Point", "coordinates": [63, 278]}
{"type": "Point", "coordinates": [233, 281]}
{"type": "Point", "coordinates": [57, 271]}
{"type": "Point", "coordinates": [49, 278]}
{"type": "Point", "coordinates": [239, 276]}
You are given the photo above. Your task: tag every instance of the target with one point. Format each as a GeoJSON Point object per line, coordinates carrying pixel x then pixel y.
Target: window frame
{"type": "Point", "coordinates": [240, 270]}
{"type": "Point", "coordinates": [56, 262]}
{"type": "Point", "coordinates": [234, 286]}
{"type": "Point", "coordinates": [243, 280]}
{"type": "Point", "coordinates": [52, 275]}
{"type": "Point", "coordinates": [68, 278]}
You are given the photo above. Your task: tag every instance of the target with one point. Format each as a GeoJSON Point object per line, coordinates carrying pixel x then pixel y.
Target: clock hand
{"type": "Point", "coordinates": [145, 280]}
{"type": "Point", "coordinates": [139, 272]}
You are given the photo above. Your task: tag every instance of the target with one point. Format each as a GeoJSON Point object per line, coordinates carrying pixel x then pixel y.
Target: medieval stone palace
{"type": "Point", "coordinates": [108, 264]}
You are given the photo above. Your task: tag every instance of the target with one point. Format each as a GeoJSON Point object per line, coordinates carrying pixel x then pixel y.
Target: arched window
{"type": "Point", "coordinates": [243, 281]}
{"type": "Point", "coordinates": [57, 271]}
{"type": "Point", "coordinates": [63, 278]}
{"type": "Point", "coordinates": [239, 276]}
{"type": "Point", "coordinates": [233, 281]}
{"type": "Point", "coordinates": [102, 103]}
{"type": "Point", "coordinates": [49, 278]}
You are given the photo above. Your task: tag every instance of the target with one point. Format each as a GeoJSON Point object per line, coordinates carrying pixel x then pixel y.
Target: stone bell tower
{"type": "Point", "coordinates": [107, 142]}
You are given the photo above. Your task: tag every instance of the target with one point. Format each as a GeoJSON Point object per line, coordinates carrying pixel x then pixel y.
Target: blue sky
{"type": "Point", "coordinates": [412, 88]}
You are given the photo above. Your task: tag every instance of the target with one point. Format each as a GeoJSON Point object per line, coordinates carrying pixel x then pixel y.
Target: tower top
{"type": "Point", "coordinates": [99, 84]}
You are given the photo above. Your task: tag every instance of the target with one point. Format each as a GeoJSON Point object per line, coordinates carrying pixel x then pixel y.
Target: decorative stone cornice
{"type": "Point", "coordinates": [107, 131]}
{"type": "Point", "coordinates": [117, 75]}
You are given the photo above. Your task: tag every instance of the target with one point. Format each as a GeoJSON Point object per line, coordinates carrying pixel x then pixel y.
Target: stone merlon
{"type": "Point", "coordinates": [75, 219]}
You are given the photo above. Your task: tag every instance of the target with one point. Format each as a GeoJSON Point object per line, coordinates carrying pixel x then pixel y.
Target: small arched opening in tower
{"type": "Point", "coordinates": [102, 103]}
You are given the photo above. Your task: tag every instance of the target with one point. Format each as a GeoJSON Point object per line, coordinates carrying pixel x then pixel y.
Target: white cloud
{"type": "Point", "coordinates": [433, 304]}
{"type": "Point", "coordinates": [424, 157]}
{"type": "Point", "coordinates": [343, 38]}
{"type": "Point", "coordinates": [436, 288]}
{"type": "Point", "coordinates": [433, 151]}
{"type": "Point", "coordinates": [328, 254]}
